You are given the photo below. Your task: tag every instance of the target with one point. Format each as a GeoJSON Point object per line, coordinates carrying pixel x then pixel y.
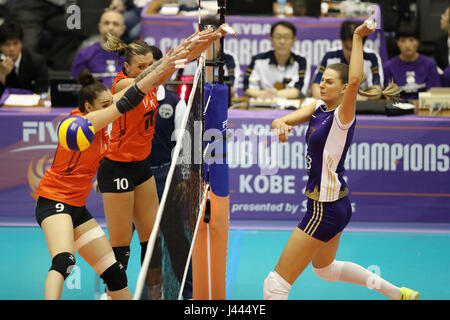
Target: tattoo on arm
{"type": "Point", "coordinates": [148, 70]}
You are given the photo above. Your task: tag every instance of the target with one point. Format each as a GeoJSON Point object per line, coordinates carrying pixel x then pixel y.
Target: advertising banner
{"type": "Point", "coordinates": [397, 167]}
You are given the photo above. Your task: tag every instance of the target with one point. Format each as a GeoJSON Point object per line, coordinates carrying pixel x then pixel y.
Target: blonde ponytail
{"type": "Point", "coordinates": [137, 47]}
{"type": "Point", "coordinates": [115, 44]}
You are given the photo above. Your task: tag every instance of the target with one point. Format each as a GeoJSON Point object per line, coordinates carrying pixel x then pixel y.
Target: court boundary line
{"type": "Point", "coordinates": [284, 225]}
{"type": "Point", "coordinates": [355, 226]}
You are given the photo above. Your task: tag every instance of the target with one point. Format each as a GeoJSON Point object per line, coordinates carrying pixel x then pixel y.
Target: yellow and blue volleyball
{"type": "Point", "coordinates": [75, 133]}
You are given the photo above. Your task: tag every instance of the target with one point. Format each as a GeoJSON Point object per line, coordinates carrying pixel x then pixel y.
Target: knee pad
{"type": "Point", "coordinates": [63, 263]}
{"type": "Point", "coordinates": [122, 255]}
{"type": "Point", "coordinates": [331, 272]}
{"type": "Point", "coordinates": [275, 287]}
{"type": "Point", "coordinates": [115, 277]}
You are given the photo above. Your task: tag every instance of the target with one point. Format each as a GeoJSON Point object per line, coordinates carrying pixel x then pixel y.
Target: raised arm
{"type": "Point", "coordinates": [131, 96]}
{"type": "Point", "coordinates": [355, 73]}
{"type": "Point", "coordinates": [188, 50]}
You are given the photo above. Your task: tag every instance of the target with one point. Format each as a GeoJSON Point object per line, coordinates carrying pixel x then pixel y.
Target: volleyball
{"type": "Point", "coordinates": [75, 133]}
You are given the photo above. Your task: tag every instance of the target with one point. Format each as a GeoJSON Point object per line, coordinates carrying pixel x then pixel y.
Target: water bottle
{"type": "Point", "coordinates": [281, 7]}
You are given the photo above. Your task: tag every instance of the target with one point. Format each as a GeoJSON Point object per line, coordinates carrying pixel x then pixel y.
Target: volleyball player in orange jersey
{"type": "Point", "coordinates": [124, 178]}
{"type": "Point", "coordinates": [61, 211]}
{"type": "Point", "coordinates": [126, 182]}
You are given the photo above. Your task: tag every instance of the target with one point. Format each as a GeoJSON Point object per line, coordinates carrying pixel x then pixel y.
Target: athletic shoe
{"type": "Point", "coordinates": [105, 296]}
{"type": "Point", "coordinates": [408, 294]}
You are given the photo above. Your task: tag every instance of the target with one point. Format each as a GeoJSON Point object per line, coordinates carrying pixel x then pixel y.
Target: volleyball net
{"type": "Point", "coordinates": [193, 215]}
{"type": "Point", "coordinates": [183, 199]}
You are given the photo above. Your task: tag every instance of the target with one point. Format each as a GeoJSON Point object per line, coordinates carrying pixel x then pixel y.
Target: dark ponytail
{"type": "Point", "coordinates": [90, 88]}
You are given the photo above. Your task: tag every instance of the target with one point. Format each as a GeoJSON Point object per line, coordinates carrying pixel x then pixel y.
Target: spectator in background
{"type": "Point", "coordinates": [442, 44]}
{"type": "Point", "coordinates": [373, 68]}
{"type": "Point", "coordinates": [102, 63]}
{"type": "Point", "coordinates": [44, 23]}
{"type": "Point", "coordinates": [20, 67]}
{"type": "Point", "coordinates": [131, 10]}
{"type": "Point", "coordinates": [278, 72]}
{"type": "Point", "coordinates": [232, 69]}
{"type": "Point", "coordinates": [410, 70]}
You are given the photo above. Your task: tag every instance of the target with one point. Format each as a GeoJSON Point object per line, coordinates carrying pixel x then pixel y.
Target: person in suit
{"type": "Point", "coordinates": [20, 67]}
{"type": "Point", "coordinates": [442, 44]}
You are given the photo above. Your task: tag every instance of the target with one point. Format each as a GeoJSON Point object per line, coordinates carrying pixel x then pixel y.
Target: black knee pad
{"type": "Point", "coordinates": [115, 277]}
{"type": "Point", "coordinates": [63, 263]}
{"type": "Point", "coordinates": [122, 255]}
{"type": "Point", "coordinates": [156, 260]}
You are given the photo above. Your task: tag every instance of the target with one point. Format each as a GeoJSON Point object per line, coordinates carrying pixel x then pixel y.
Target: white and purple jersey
{"type": "Point", "coordinates": [328, 141]}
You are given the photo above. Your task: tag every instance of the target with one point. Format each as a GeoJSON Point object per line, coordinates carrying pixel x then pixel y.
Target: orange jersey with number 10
{"type": "Point", "coordinates": [69, 179]}
{"type": "Point", "coordinates": [132, 133]}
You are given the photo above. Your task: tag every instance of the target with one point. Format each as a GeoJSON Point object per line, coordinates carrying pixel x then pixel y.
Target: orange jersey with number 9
{"type": "Point", "coordinates": [69, 179]}
{"type": "Point", "coordinates": [132, 133]}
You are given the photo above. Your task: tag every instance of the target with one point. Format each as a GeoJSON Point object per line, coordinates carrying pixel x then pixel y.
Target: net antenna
{"type": "Point", "coordinates": [213, 61]}
{"type": "Point", "coordinates": [218, 61]}
{"type": "Point", "coordinates": [159, 215]}
{"type": "Point", "coordinates": [222, 4]}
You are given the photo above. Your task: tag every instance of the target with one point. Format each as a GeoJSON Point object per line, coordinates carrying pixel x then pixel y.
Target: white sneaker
{"type": "Point", "coordinates": [104, 296]}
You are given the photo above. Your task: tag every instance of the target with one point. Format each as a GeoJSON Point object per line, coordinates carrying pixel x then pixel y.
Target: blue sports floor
{"type": "Point", "coordinates": [416, 258]}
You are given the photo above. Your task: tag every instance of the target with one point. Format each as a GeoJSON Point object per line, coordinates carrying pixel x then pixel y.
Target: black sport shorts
{"type": "Point", "coordinates": [117, 177]}
{"type": "Point", "coordinates": [46, 208]}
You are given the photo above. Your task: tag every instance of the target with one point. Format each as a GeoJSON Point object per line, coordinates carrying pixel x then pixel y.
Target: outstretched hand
{"type": "Point", "coordinates": [193, 46]}
{"type": "Point", "coordinates": [366, 28]}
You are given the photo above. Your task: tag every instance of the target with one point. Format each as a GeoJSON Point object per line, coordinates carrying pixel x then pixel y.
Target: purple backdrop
{"type": "Point", "coordinates": [27, 145]}
{"type": "Point", "coordinates": [397, 167]}
{"type": "Point", "coordinates": [315, 36]}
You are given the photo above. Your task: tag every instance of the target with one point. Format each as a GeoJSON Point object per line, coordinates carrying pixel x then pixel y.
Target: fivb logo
{"type": "Point", "coordinates": [42, 129]}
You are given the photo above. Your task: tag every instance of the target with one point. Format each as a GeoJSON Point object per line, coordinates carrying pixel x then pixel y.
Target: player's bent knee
{"type": "Point", "coordinates": [115, 277]}
{"type": "Point", "coordinates": [104, 263]}
{"type": "Point", "coordinates": [330, 273]}
{"type": "Point", "coordinates": [63, 263]}
{"type": "Point", "coordinates": [275, 287]}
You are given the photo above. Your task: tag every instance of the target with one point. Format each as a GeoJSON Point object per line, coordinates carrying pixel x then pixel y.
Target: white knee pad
{"type": "Point", "coordinates": [331, 272]}
{"type": "Point", "coordinates": [275, 287]}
